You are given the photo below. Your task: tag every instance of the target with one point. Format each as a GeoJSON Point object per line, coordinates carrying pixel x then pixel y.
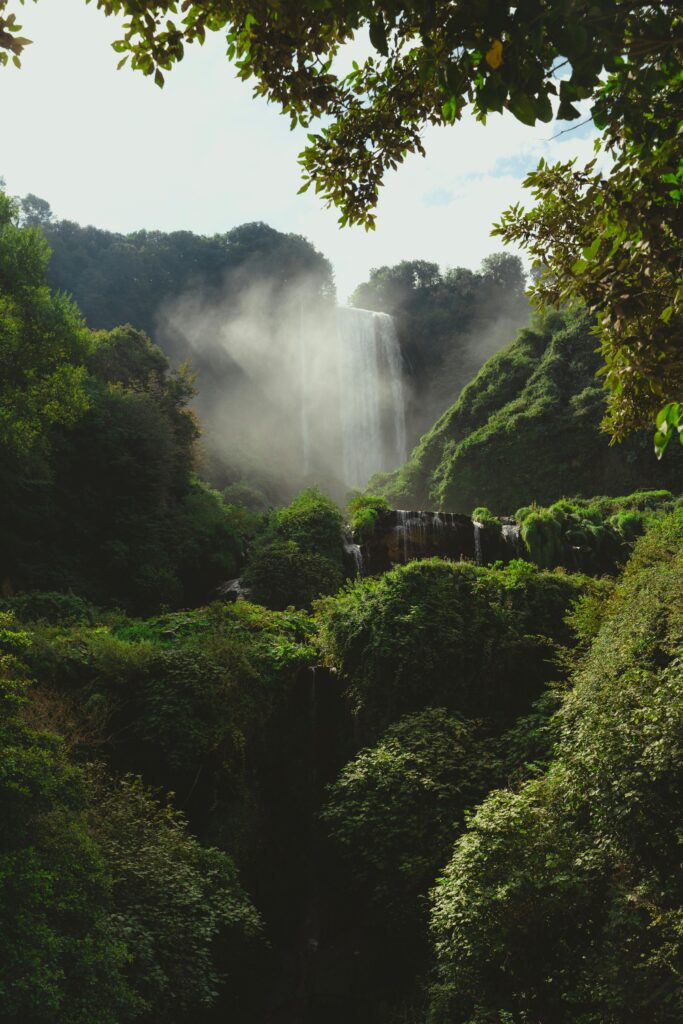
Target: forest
{"type": "Point", "coordinates": [341, 646]}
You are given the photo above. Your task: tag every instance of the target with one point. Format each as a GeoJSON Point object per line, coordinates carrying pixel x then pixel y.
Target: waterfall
{"type": "Point", "coordinates": [478, 552]}
{"type": "Point", "coordinates": [355, 553]}
{"type": "Point", "coordinates": [512, 538]}
{"type": "Point", "coordinates": [372, 401]}
{"type": "Point", "coordinates": [402, 522]}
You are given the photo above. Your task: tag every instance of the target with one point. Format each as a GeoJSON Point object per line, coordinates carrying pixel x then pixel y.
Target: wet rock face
{"type": "Point", "coordinates": [401, 536]}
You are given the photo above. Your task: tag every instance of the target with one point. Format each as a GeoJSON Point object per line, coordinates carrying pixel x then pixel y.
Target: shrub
{"type": "Point", "coordinates": [280, 574]}
{"type": "Point", "coordinates": [313, 522]}
{"type": "Point", "coordinates": [396, 807]}
{"type": "Point", "coordinates": [562, 900]}
{"type": "Point", "coordinates": [486, 518]}
{"type": "Point", "coordinates": [178, 906]}
{"type": "Point", "coordinates": [60, 957]}
{"type": "Point", "coordinates": [476, 641]}
{"type": "Point", "coordinates": [364, 512]}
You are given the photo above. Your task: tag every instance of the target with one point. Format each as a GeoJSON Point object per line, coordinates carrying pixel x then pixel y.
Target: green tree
{"type": "Point", "coordinates": [396, 808]}
{"type": "Point", "coordinates": [178, 906]}
{"type": "Point", "coordinates": [60, 957]}
{"type": "Point", "coordinates": [428, 64]}
{"type": "Point", "coordinates": [299, 555]}
{"type": "Point", "coordinates": [619, 252]}
{"type": "Point", "coordinates": [44, 344]}
{"type": "Point", "coordinates": [35, 212]}
{"type": "Point", "coordinates": [562, 900]}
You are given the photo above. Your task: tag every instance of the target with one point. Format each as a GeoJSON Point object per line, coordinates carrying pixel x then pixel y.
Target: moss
{"type": "Point", "coordinates": [365, 512]}
{"type": "Point", "coordinates": [485, 517]}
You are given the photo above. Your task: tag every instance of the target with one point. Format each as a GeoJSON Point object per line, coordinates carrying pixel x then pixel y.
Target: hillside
{"type": "Point", "coordinates": [527, 429]}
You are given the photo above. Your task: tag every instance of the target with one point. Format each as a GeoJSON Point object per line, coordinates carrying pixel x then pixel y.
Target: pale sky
{"type": "Point", "coordinates": [111, 149]}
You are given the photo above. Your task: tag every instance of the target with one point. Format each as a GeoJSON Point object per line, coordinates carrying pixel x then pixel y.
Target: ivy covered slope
{"type": "Point", "coordinates": [561, 902]}
{"type": "Point", "coordinates": [527, 429]}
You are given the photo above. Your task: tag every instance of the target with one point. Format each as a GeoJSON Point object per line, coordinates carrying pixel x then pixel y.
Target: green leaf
{"type": "Point", "coordinates": [544, 109]}
{"type": "Point", "coordinates": [591, 251]}
{"type": "Point", "coordinates": [567, 111]}
{"type": "Point", "coordinates": [669, 414]}
{"type": "Point", "coordinates": [378, 35]}
{"type": "Point", "coordinates": [522, 107]}
{"type": "Point", "coordinates": [449, 110]}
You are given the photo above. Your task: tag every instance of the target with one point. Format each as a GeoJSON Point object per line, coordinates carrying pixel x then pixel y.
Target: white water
{"type": "Point", "coordinates": [356, 553]}
{"type": "Point", "coordinates": [512, 538]}
{"type": "Point", "coordinates": [371, 393]}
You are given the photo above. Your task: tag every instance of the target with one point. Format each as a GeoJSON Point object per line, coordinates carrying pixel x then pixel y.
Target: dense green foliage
{"type": "Point", "coordinates": [179, 909]}
{"type": "Point", "coordinates": [119, 279]}
{"type": "Point", "coordinates": [43, 342]}
{"type": "Point", "coordinates": [620, 250]}
{"type": "Point", "coordinates": [448, 324]}
{"type": "Point", "coordinates": [406, 640]}
{"type": "Point", "coordinates": [598, 833]}
{"type": "Point", "coordinates": [110, 908]}
{"type": "Point", "coordinates": [396, 807]}
{"type": "Point", "coordinates": [97, 462]}
{"type": "Point", "coordinates": [525, 429]}
{"type": "Point", "coordinates": [60, 954]}
{"type": "Point", "coordinates": [364, 512]}
{"type": "Point", "coordinates": [593, 535]}
{"type": "Point", "coordinates": [298, 556]}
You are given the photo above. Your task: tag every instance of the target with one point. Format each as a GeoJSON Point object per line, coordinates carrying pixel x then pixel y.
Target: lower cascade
{"type": "Point", "coordinates": [403, 535]}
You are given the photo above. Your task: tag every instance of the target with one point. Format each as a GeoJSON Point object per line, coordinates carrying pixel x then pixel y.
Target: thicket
{"type": "Point", "coordinates": [97, 462]}
{"type": "Point", "coordinates": [527, 429]}
{"type": "Point", "coordinates": [111, 910]}
{"type": "Point", "coordinates": [475, 641]}
{"type": "Point", "coordinates": [593, 535]}
{"type": "Point", "coordinates": [364, 512]}
{"type": "Point", "coordinates": [562, 900]}
{"type": "Point", "coordinates": [298, 555]}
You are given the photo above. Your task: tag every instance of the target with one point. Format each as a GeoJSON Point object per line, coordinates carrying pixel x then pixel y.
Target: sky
{"type": "Point", "coordinates": [109, 148]}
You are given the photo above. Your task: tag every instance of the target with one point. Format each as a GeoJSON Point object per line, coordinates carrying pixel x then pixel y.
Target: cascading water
{"type": "Point", "coordinates": [355, 553]}
{"type": "Point", "coordinates": [402, 526]}
{"type": "Point", "coordinates": [372, 400]}
{"type": "Point", "coordinates": [478, 551]}
{"type": "Point", "coordinates": [512, 538]}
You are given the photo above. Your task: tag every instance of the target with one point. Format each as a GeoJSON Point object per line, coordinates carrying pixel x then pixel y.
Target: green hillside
{"type": "Point", "coordinates": [527, 429]}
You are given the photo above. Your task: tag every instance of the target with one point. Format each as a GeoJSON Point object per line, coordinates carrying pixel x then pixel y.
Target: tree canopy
{"type": "Point", "coordinates": [429, 62]}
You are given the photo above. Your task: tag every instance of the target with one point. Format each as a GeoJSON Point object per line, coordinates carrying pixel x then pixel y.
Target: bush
{"type": "Point", "coordinates": [60, 957]}
{"type": "Point", "coordinates": [486, 518]}
{"type": "Point", "coordinates": [396, 807]}
{"type": "Point", "coordinates": [313, 522]}
{"type": "Point", "coordinates": [364, 512]}
{"type": "Point", "coordinates": [178, 906]}
{"type": "Point", "coordinates": [299, 555]}
{"type": "Point", "coordinates": [476, 641]}
{"type": "Point", "coordinates": [597, 833]}
{"type": "Point", "coordinates": [51, 607]}
{"type": "Point", "coordinates": [280, 574]}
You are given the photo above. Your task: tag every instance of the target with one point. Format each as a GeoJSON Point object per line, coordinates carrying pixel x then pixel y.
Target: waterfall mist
{"type": "Point", "coordinates": [293, 391]}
